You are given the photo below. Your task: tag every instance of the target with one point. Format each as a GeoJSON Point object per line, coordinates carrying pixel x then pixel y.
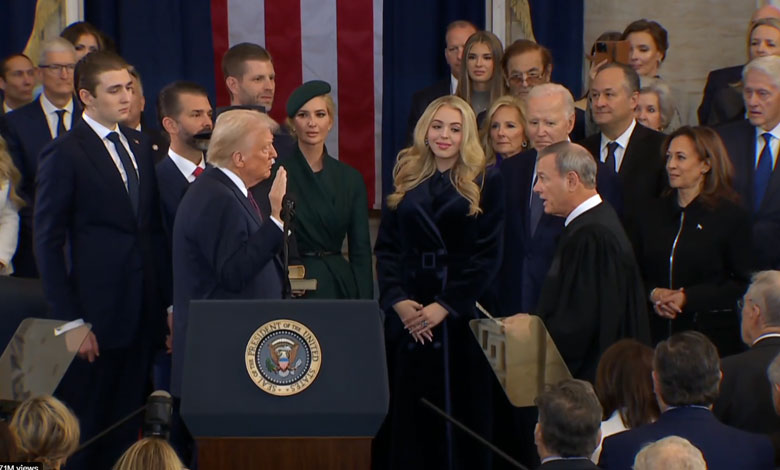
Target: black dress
{"type": "Point", "coordinates": [429, 250]}
{"type": "Point", "coordinates": [708, 252]}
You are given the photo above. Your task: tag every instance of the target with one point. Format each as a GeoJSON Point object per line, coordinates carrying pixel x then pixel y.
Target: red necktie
{"type": "Point", "coordinates": [254, 204]}
{"type": "Point", "coordinates": [197, 171]}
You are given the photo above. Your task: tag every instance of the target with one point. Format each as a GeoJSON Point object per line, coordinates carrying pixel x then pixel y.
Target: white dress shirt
{"type": "Point", "coordinates": [585, 206]}
{"type": "Point", "coordinates": [774, 143]}
{"type": "Point", "coordinates": [186, 167]}
{"type": "Point", "coordinates": [453, 84]}
{"type": "Point", "coordinates": [622, 141]}
{"type": "Point", "coordinates": [102, 132]}
{"type": "Point", "coordinates": [51, 114]}
{"type": "Point", "coordinates": [9, 228]}
{"type": "Point", "coordinates": [242, 187]}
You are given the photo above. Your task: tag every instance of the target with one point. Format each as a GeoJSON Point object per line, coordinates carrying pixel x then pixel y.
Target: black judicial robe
{"type": "Point", "coordinates": [429, 250]}
{"type": "Point", "coordinates": [593, 294]}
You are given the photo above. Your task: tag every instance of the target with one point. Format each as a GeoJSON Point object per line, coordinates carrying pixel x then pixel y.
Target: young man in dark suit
{"type": "Point", "coordinates": [458, 32]}
{"type": "Point", "coordinates": [686, 379]}
{"type": "Point", "coordinates": [745, 399]}
{"type": "Point", "coordinates": [29, 128]}
{"type": "Point", "coordinates": [753, 146]}
{"type": "Point", "coordinates": [569, 426]}
{"type": "Point", "coordinates": [223, 247]}
{"type": "Point", "coordinates": [630, 149]}
{"type": "Point", "coordinates": [135, 118]}
{"type": "Point", "coordinates": [102, 256]}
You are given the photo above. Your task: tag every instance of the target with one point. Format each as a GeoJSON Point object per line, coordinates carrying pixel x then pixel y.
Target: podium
{"type": "Point", "coordinates": [284, 384]}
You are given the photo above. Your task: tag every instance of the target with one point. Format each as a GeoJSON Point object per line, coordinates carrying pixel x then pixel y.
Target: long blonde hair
{"type": "Point", "coordinates": [47, 431]}
{"type": "Point", "coordinates": [484, 133]}
{"type": "Point", "coordinates": [417, 163]}
{"type": "Point", "coordinates": [9, 172]}
{"type": "Point", "coordinates": [497, 85]}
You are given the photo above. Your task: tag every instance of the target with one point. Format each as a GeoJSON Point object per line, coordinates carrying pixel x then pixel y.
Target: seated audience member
{"type": "Point", "coordinates": [503, 132]}
{"type": "Point", "coordinates": [752, 145]}
{"type": "Point", "coordinates": [9, 448]}
{"type": "Point", "coordinates": [527, 64]}
{"type": "Point", "coordinates": [481, 80]}
{"type": "Point", "coordinates": [686, 376]}
{"type": "Point", "coordinates": [725, 77]}
{"type": "Point", "coordinates": [700, 234]}
{"type": "Point", "coordinates": [46, 430]}
{"type": "Point", "coordinates": [458, 32]}
{"type": "Point", "coordinates": [568, 427]}
{"type": "Point", "coordinates": [10, 202]}
{"type": "Point", "coordinates": [655, 107]}
{"type": "Point", "coordinates": [763, 40]}
{"type": "Point", "coordinates": [150, 453]}
{"type": "Point", "coordinates": [223, 248]}
{"type": "Point", "coordinates": [670, 453]}
{"type": "Point", "coordinates": [28, 129]}
{"type": "Point", "coordinates": [135, 118]}
{"type": "Point", "coordinates": [17, 81]}
{"type": "Point", "coordinates": [84, 37]}
{"type": "Point", "coordinates": [625, 389]}
{"type": "Point", "coordinates": [745, 400]}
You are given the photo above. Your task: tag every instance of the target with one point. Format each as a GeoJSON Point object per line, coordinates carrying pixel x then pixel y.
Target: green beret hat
{"type": "Point", "coordinates": [304, 93]}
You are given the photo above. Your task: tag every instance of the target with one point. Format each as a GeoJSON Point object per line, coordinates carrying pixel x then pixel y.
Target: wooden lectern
{"type": "Point", "coordinates": [245, 407]}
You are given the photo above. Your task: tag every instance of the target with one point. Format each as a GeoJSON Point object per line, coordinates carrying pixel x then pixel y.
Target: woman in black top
{"type": "Point", "coordinates": [694, 243]}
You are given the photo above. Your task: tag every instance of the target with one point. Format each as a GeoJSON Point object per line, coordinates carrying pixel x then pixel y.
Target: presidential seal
{"type": "Point", "coordinates": [283, 357]}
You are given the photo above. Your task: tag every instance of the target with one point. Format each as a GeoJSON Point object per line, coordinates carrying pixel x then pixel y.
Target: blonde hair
{"type": "Point", "coordinates": [9, 173]}
{"type": "Point", "coordinates": [484, 132]}
{"type": "Point", "coordinates": [47, 431]}
{"type": "Point", "coordinates": [415, 164]}
{"type": "Point", "coordinates": [230, 131]}
{"type": "Point", "coordinates": [289, 122]}
{"type": "Point", "coordinates": [150, 453]}
{"type": "Point", "coordinates": [497, 86]}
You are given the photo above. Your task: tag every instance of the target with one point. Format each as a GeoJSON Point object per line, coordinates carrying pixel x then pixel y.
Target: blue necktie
{"type": "Point", "coordinates": [763, 172]}
{"type": "Point", "coordinates": [611, 161]}
{"type": "Point", "coordinates": [127, 163]}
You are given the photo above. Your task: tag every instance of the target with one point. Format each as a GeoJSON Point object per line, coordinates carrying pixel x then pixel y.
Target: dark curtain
{"type": "Point", "coordinates": [558, 25]}
{"type": "Point", "coordinates": [165, 40]}
{"type": "Point", "coordinates": [16, 23]}
{"type": "Point", "coordinates": [413, 58]}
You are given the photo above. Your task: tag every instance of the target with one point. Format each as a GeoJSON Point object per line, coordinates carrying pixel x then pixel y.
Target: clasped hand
{"type": "Point", "coordinates": [420, 320]}
{"type": "Point", "coordinates": [668, 303]}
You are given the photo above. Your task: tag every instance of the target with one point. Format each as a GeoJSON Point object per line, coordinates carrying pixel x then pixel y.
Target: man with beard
{"type": "Point", "coordinates": [184, 111]}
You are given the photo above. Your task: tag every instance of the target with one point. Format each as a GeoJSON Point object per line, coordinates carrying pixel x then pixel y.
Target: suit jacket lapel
{"type": "Point", "coordinates": [630, 161]}
{"type": "Point", "coordinates": [144, 178]}
{"type": "Point", "coordinates": [222, 177]}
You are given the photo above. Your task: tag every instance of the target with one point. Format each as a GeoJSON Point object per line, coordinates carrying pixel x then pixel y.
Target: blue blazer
{"type": "Point", "coordinates": [115, 271]}
{"type": "Point", "coordinates": [221, 250]}
{"type": "Point", "coordinates": [527, 256]}
{"type": "Point", "coordinates": [26, 131]}
{"type": "Point", "coordinates": [723, 447]}
{"type": "Point", "coordinates": [740, 140]}
{"type": "Point", "coordinates": [172, 185]}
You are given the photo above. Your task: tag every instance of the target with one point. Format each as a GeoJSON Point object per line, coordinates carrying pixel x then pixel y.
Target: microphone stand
{"type": "Point", "coordinates": [288, 212]}
{"type": "Point", "coordinates": [111, 428]}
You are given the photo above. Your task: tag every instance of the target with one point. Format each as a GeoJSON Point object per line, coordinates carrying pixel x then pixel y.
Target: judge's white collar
{"type": "Point", "coordinates": [585, 206]}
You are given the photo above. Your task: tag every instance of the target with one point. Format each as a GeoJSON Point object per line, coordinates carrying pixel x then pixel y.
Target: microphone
{"type": "Point", "coordinates": [288, 212]}
{"type": "Point", "coordinates": [157, 420]}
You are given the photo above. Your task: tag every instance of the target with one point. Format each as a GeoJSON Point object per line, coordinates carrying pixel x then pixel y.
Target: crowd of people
{"type": "Point", "coordinates": [613, 218]}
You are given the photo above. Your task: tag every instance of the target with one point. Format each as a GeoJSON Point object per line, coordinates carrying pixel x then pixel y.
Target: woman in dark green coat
{"type": "Point", "coordinates": [330, 201]}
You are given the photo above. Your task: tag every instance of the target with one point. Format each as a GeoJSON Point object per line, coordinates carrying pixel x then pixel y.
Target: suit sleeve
{"type": "Point", "coordinates": [389, 260]}
{"type": "Point", "coordinates": [52, 219]}
{"type": "Point", "coordinates": [360, 241]}
{"type": "Point", "coordinates": [706, 100]}
{"type": "Point", "coordinates": [467, 285]}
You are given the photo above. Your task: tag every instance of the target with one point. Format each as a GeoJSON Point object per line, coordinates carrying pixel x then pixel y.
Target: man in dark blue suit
{"type": "Point", "coordinates": [29, 128]}
{"type": "Point", "coordinates": [223, 248]}
{"type": "Point", "coordinates": [458, 32]}
{"type": "Point", "coordinates": [753, 146]}
{"type": "Point", "coordinates": [531, 235]}
{"type": "Point", "coordinates": [102, 256]}
{"type": "Point", "coordinates": [686, 379]}
{"type": "Point", "coordinates": [17, 80]}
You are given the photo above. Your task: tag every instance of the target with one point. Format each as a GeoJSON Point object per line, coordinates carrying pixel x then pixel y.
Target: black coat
{"type": "Point", "coordinates": [593, 294]}
{"type": "Point", "coordinates": [421, 99]}
{"type": "Point", "coordinates": [716, 81]}
{"type": "Point", "coordinates": [712, 262]}
{"type": "Point", "coordinates": [745, 399]}
{"type": "Point", "coordinates": [430, 250]}
{"type": "Point", "coordinates": [740, 140]}
{"type": "Point", "coordinates": [571, 464]}
{"type": "Point", "coordinates": [641, 172]}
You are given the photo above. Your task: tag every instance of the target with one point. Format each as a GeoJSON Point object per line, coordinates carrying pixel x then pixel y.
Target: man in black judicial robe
{"type": "Point", "coordinates": [593, 294]}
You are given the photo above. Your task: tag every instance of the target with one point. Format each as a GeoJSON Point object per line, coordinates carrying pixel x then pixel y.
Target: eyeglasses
{"type": "Point", "coordinates": [58, 67]}
{"type": "Point", "coordinates": [740, 304]}
{"type": "Point", "coordinates": [528, 77]}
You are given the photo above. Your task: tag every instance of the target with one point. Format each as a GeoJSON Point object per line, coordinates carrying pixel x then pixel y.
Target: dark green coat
{"type": "Point", "coordinates": [330, 205]}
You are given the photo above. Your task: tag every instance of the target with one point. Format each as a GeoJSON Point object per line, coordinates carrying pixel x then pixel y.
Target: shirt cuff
{"type": "Point", "coordinates": [277, 223]}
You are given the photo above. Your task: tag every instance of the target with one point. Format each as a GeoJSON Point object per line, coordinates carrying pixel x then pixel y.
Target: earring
{"type": "Point", "coordinates": [426, 142]}
{"type": "Point", "coordinates": [525, 144]}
